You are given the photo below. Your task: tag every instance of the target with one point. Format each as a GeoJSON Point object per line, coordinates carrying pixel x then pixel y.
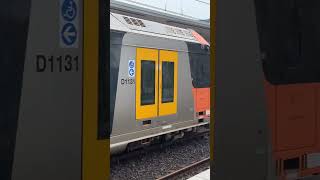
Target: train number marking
{"type": "Point", "coordinates": [64, 63]}
{"type": "Point", "coordinates": [127, 81]}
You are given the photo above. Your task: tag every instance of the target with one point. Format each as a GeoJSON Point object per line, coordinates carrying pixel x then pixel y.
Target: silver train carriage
{"type": "Point", "coordinates": [159, 82]}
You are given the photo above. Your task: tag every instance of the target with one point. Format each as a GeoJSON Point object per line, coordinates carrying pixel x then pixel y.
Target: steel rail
{"type": "Point", "coordinates": [183, 170]}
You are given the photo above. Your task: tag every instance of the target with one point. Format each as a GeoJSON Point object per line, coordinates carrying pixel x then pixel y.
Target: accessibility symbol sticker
{"type": "Point", "coordinates": [69, 10]}
{"type": "Point", "coordinates": [131, 68]}
{"type": "Point", "coordinates": [69, 34]}
{"type": "Point", "coordinates": [131, 64]}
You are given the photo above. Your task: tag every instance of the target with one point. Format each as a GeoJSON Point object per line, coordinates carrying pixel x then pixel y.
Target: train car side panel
{"type": "Point", "coordinates": [125, 127]}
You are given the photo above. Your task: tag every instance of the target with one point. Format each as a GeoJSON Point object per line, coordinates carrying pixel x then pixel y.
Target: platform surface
{"type": "Point", "coordinates": [205, 175]}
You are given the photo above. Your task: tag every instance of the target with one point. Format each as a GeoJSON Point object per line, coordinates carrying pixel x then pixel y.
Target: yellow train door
{"type": "Point", "coordinates": [146, 83]}
{"type": "Point", "coordinates": [168, 82]}
{"type": "Point", "coordinates": [156, 83]}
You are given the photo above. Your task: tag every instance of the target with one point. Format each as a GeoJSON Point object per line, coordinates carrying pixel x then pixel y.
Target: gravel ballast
{"type": "Point", "coordinates": [157, 163]}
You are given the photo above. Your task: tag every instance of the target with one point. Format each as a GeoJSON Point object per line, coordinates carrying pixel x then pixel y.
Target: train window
{"type": "Point", "coordinates": [204, 70]}
{"type": "Point", "coordinates": [147, 82]}
{"type": "Point", "coordinates": [115, 52]}
{"type": "Point", "coordinates": [167, 81]}
{"type": "Point", "coordinates": [200, 70]}
{"type": "Point", "coordinates": [199, 56]}
{"type": "Point", "coordinates": [289, 41]}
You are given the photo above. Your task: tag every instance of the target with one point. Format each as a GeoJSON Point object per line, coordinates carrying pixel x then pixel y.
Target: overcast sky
{"type": "Point", "coordinates": [199, 9]}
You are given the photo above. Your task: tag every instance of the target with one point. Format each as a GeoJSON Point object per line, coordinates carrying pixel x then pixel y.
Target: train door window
{"type": "Point", "coordinates": [168, 82]}
{"type": "Point", "coordinates": [146, 83]}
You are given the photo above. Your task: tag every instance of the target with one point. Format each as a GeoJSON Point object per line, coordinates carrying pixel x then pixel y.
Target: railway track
{"type": "Point", "coordinates": [142, 164]}
{"type": "Point", "coordinates": [185, 169]}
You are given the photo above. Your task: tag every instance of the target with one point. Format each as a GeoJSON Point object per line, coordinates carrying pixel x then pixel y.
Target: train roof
{"type": "Point", "coordinates": [140, 26]}
{"type": "Point", "coordinates": [130, 8]}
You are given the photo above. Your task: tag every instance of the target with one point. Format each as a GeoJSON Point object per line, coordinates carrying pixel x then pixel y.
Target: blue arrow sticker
{"type": "Point", "coordinates": [69, 34]}
{"type": "Point", "coordinates": [131, 72]}
{"type": "Point", "coordinates": [69, 10]}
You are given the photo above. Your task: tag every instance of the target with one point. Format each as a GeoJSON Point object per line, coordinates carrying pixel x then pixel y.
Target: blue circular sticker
{"type": "Point", "coordinates": [69, 34]}
{"type": "Point", "coordinates": [131, 72]}
{"type": "Point", "coordinates": [69, 10]}
{"type": "Point", "coordinates": [131, 64]}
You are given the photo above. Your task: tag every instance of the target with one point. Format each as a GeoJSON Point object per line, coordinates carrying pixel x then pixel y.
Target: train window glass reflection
{"type": "Point", "coordinates": [167, 82]}
{"type": "Point", "coordinates": [147, 82]}
{"type": "Point", "coordinates": [200, 70]}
